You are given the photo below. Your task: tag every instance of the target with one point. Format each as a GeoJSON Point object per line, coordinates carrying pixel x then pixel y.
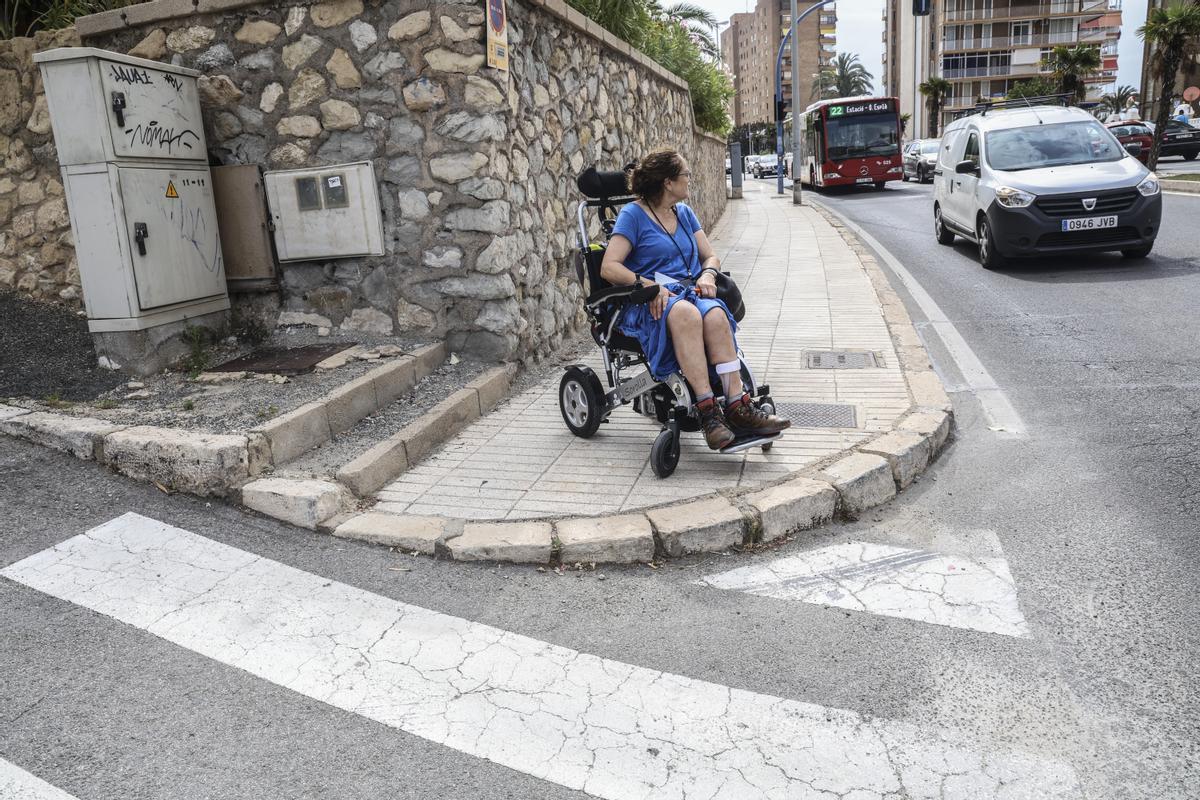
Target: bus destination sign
{"type": "Point", "coordinates": [869, 107]}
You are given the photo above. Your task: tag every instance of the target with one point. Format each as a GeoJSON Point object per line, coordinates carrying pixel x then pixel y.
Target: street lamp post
{"type": "Point", "coordinates": [796, 20]}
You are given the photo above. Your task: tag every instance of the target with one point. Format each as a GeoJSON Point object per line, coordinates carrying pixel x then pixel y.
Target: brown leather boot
{"type": "Point", "coordinates": [712, 422]}
{"type": "Point", "coordinates": [748, 419]}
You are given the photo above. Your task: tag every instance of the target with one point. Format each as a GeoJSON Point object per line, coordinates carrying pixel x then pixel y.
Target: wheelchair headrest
{"type": "Point", "coordinates": [599, 184]}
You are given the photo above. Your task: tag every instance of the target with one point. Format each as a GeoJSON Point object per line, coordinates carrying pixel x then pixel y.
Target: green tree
{"type": "Point", "coordinates": [844, 77]}
{"type": "Point", "coordinates": [700, 22]}
{"type": "Point", "coordinates": [1033, 87]}
{"type": "Point", "coordinates": [905, 118]}
{"type": "Point", "coordinates": [1072, 66]}
{"type": "Point", "coordinates": [1173, 33]}
{"type": "Point", "coordinates": [935, 91]}
{"type": "Point", "coordinates": [1118, 101]}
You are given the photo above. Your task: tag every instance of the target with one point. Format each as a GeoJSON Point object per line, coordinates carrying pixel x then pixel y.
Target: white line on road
{"type": "Point", "coordinates": [892, 581]}
{"type": "Point", "coordinates": [17, 784]}
{"type": "Point", "coordinates": [1003, 419]}
{"type": "Point", "coordinates": [610, 729]}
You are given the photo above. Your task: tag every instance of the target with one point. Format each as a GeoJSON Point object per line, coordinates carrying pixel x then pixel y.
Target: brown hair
{"type": "Point", "coordinates": [656, 168]}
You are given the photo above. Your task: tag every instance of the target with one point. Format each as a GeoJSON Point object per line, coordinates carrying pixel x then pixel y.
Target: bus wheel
{"type": "Point", "coordinates": [880, 185]}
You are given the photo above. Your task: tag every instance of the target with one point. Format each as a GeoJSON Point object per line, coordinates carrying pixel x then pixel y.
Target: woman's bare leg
{"type": "Point", "coordinates": [687, 336]}
{"type": "Point", "coordinates": [718, 341]}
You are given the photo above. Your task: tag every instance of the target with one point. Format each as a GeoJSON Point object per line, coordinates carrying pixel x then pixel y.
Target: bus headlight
{"type": "Point", "coordinates": [832, 175]}
{"type": "Point", "coordinates": [895, 170]}
{"type": "Point", "coordinates": [1013, 198]}
{"type": "Point", "coordinates": [1149, 185]}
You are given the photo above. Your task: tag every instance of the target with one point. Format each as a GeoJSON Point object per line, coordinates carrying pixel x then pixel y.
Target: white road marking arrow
{"type": "Point", "coordinates": [610, 729]}
{"type": "Point", "coordinates": [17, 784]}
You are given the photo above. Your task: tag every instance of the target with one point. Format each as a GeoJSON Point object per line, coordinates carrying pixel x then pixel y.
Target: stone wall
{"type": "Point", "coordinates": [37, 253]}
{"type": "Point", "coordinates": [476, 166]}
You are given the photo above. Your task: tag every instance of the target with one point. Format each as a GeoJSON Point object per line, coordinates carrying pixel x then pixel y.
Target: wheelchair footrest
{"type": "Point", "coordinates": [750, 441]}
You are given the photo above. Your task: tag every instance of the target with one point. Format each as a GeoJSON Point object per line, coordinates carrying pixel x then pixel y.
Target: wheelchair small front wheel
{"type": "Point", "coordinates": [579, 400]}
{"type": "Point", "coordinates": [664, 455]}
{"type": "Point", "coordinates": [767, 406]}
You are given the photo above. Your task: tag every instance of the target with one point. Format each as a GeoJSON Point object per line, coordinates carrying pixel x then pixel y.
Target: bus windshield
{"type": "Point", "coordinates": [860, 136]}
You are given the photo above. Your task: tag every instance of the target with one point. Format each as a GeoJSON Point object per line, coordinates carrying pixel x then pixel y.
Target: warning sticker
{"type": "Point", "coordinates": [171, 190]}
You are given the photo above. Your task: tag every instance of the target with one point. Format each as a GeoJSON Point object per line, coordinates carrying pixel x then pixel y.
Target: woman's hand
{"type": "Point", "coordinates": [706, 286]}
{"type": "Point", "coordinates": [659, 304]}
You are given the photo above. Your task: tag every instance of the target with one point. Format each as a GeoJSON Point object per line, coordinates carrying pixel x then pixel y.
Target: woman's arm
{"type": "Point", "coordinates": [706, 284]}
{"type": "Point", "coordinates": [613, 270]}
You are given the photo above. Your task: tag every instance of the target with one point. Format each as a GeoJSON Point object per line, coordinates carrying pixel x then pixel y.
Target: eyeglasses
{"type": "Point", "coordinates": [687, 174]}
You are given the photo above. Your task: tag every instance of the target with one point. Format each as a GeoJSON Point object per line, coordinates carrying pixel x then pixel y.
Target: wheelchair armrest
{"type": "Point", "coordinates": [622, 294]}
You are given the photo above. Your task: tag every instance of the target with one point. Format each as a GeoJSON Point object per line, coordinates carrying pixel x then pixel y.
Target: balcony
{"type": "Point", "coordinates": [1099, 34]}
{"type": "Point", "coordinates": [977, 72]}
{"type": "Point", "coordinates": [1023, 11]}
{"type": "Point", "coordinates": [1007, 42]}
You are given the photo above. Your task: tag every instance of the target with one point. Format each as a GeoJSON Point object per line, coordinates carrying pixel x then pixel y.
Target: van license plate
{"type": "Point", "coordinates": [1089, 223]}
{"type": "Point", "coordinates": [865, 180]}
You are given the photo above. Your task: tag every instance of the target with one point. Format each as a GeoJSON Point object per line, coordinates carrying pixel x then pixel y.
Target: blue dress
{"type": "Point", "coordinates": [657, 259]}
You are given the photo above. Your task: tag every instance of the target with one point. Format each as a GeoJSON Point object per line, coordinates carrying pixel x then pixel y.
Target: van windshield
{"type": "Point", "coordinates": [1051, 146]}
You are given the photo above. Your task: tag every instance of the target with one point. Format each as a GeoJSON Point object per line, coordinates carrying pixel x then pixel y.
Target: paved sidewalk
{"type": "Point", "coordinates": [805, 289]}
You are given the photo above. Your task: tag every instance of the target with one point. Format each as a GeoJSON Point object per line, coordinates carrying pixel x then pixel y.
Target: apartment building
{"type": "Point", "coordinates": [907, 65]}
{"type": "Point", "coordinates": [1189, 75]}
{"type": "Point", "coordinates": [750, 46]}
{"type": "Point", "coordinates": [985, 47]}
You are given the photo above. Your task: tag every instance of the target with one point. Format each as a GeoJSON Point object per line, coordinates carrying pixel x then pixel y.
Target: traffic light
{"type": "Point", "coordinates": [921, 8]}
{"type": "Point", "coordinates": [781, 107]}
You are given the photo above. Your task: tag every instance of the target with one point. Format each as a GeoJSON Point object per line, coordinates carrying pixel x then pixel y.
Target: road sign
{"type": "Point", "coordinates": [1191, 94]}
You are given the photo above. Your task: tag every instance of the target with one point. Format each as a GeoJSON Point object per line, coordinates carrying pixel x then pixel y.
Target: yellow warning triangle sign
{"type": "Point", "coordinates": [171, 190]}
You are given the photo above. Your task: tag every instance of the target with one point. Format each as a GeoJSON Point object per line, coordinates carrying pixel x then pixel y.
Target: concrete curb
{"type": "Point", "coordinates": [1190, 187]}
{"type": "Point", "coordinates": [844, 486]}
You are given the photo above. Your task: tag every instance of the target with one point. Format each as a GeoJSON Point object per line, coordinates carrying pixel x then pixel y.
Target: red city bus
{"type": "Point", "coordinates": [851, 141]}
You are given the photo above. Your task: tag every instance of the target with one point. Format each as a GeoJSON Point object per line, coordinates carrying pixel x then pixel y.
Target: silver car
{"type": "Point", "coordinates": [920, 159]}
{"type": "Point", "coordinates": [1042, 180]}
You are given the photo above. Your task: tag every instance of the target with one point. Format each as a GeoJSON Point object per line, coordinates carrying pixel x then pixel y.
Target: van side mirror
{"type": "Point", "coordinates": [966, 167]}
{"type": "Point", "coordinates": [1133, 148]}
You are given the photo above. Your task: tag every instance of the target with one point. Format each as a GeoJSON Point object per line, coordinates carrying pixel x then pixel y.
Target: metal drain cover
{"type": "Point", "coordinates": [284, 360]}
{"type": "Point", "coordinates": [818, 415]}
{"type": "Point", "coordinates": [841, 359]}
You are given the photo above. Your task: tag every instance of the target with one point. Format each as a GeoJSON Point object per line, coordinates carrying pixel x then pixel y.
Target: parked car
{"type": "Point", "coordinates": [728, 167]}
{"type": "Point", "coordinates": [1180, 139]}
{"type": "Point", "coordinates": [1042, 181]}
{"type": "Point", "coordinates": [920, 158]}
{"type": "Point", "coordinates": [1133, 132]}
{"type": "Point", "coordinates": [765, 165]}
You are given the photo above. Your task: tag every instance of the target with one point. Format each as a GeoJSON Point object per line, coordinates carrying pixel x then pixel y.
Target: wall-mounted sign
{"type": "Point", "coordinates": [497, 34]}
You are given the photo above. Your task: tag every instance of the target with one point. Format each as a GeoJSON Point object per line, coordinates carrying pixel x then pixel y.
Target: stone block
{"type": "Point", "coordinates": [349, 403]}
{"type": "Point", "coordinates": [429, 358]}
{"type": "Point", "coordinates": [933, 424]}
{"type": "Point", "coordinates": [492, 386]}
{"type": "Point", "coordinates": [305, 503]}
{"type": "Point", "coordinates": [296, 432]}
{"type": "Point", "coordinates": [521, 542]}
{"type": "Point", "coordinates": [199, 463]}
{"type": "Point", "coordinates": [907, 454]}
{"type": "Point", "coordinates": [81, 437]}
{"type": "Point", "coordinates": [394, 379]}
{"type": "Point", "coordinates": [217, 6]}
{"type": "Point", "coordinates": [795, 505]}
{"type": "Point", "coordinates": [440, 423]}
{"type": "Point", "coordinates": [624, 539]}
{"type": "Point", "coordinates": [707, 525]}
{"type": "Point", "coordinates": [8, 412]}
{"type": "Point", "coordinates": [372, 470]}
{"type": "Point", "coordinates": [406, 532]}
{"type": "Point", "coordinates": [862, 480]}
{"type": "Point", "coordinates": [927, 390]}
{"type": "Point", "coordinates": [335, 12]}
{"type": "Point", "coordinates": [147, 13]}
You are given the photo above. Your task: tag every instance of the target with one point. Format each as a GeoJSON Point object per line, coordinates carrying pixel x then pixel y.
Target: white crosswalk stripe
{"type": "Point", "coordinates": [611, 729]}
{"type": "Point", "coordinates": [17, 784]}
{"type": "Point", "coordinates": [893, 581]}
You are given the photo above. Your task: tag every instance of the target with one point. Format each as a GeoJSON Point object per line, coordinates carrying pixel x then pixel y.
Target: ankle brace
{"type": "Point", "coordinates": [726, 370]}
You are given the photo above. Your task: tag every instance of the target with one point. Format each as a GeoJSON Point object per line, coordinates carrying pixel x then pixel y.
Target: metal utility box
{"type": "Point", "coordinates": [130, 141]}
{"type": "Point", "coordinates": [325, 212]}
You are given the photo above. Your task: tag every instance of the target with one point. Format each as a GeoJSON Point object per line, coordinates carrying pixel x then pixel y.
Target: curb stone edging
{"type": "Point", "coordinates": [843, 486]}
{"type": "Point", "coordinates": [1188, 187]}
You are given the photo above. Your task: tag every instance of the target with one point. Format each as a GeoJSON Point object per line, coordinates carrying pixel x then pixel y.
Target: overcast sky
{"type": "Point", "coordinates": [860, 30]}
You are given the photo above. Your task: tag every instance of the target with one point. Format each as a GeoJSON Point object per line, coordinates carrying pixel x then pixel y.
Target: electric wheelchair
{"type": "Point", "coordinates": [584, 403]}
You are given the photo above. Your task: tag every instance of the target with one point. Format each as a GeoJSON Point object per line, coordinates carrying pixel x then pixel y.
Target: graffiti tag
{"type": "Point", "coordinates": [152, 135]}
{"type": "Point", "coordinates": [130, 75]}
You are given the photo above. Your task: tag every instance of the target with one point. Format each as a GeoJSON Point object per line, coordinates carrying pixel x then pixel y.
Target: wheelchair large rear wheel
{"type": "Point", "coordinates": [664, 455]}
{"type": "Point", "coordinates": [580, 399]}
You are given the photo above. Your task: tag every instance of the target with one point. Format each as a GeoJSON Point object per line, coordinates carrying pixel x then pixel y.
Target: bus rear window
{"type": "Point", "coordinates": [860, 136]}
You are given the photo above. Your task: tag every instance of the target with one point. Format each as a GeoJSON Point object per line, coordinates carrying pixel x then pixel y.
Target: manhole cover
{"type": "Point", "coordinates": [284, 360]}
{"type": "Point", "coordinates": [818, 415]}
{"type": "Point", "coordinates": [841, 359]}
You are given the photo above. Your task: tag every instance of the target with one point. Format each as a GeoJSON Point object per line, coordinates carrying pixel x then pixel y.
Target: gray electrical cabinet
{"type": "Point", "coordinates": [325, 212]}
{"type": "Point", "coordinates": [130, 142]}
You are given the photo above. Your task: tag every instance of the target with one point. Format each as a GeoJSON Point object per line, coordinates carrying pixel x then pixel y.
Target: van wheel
{"type": "Point", "coordinates": [1191, 155]}
{"type": "Point", "coordinates": [943, 234]}
{"type": "Point", "coordinates": [988, 257]}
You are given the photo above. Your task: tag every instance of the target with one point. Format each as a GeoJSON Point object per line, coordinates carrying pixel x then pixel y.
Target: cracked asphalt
{"type": "Point", "coordinates": [1094, 513]}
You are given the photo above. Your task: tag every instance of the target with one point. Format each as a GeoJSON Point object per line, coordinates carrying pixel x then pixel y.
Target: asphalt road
{"type": "Point", "coordinates": [1095, 512]}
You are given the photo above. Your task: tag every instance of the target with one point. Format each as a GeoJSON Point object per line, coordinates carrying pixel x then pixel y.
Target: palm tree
{"type": "Point", "coordinates": [1173, 33]}
{"type": "Point", "coordinates": [628, 20]}
{"type": "Point", "coordinates": [935, 91]}
{"type": "Point", "coordinates": [1119, 100]}
{"type": "Point", "coordinates": [700, 23]}
{"type": "Point", "coordinates": [845, 77]}
{"type": "Point", "coordinates": [1072, 66]}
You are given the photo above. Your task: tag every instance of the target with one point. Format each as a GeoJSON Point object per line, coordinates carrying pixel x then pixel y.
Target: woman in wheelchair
{"type": "Point", "coordinates": [685, 328]}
